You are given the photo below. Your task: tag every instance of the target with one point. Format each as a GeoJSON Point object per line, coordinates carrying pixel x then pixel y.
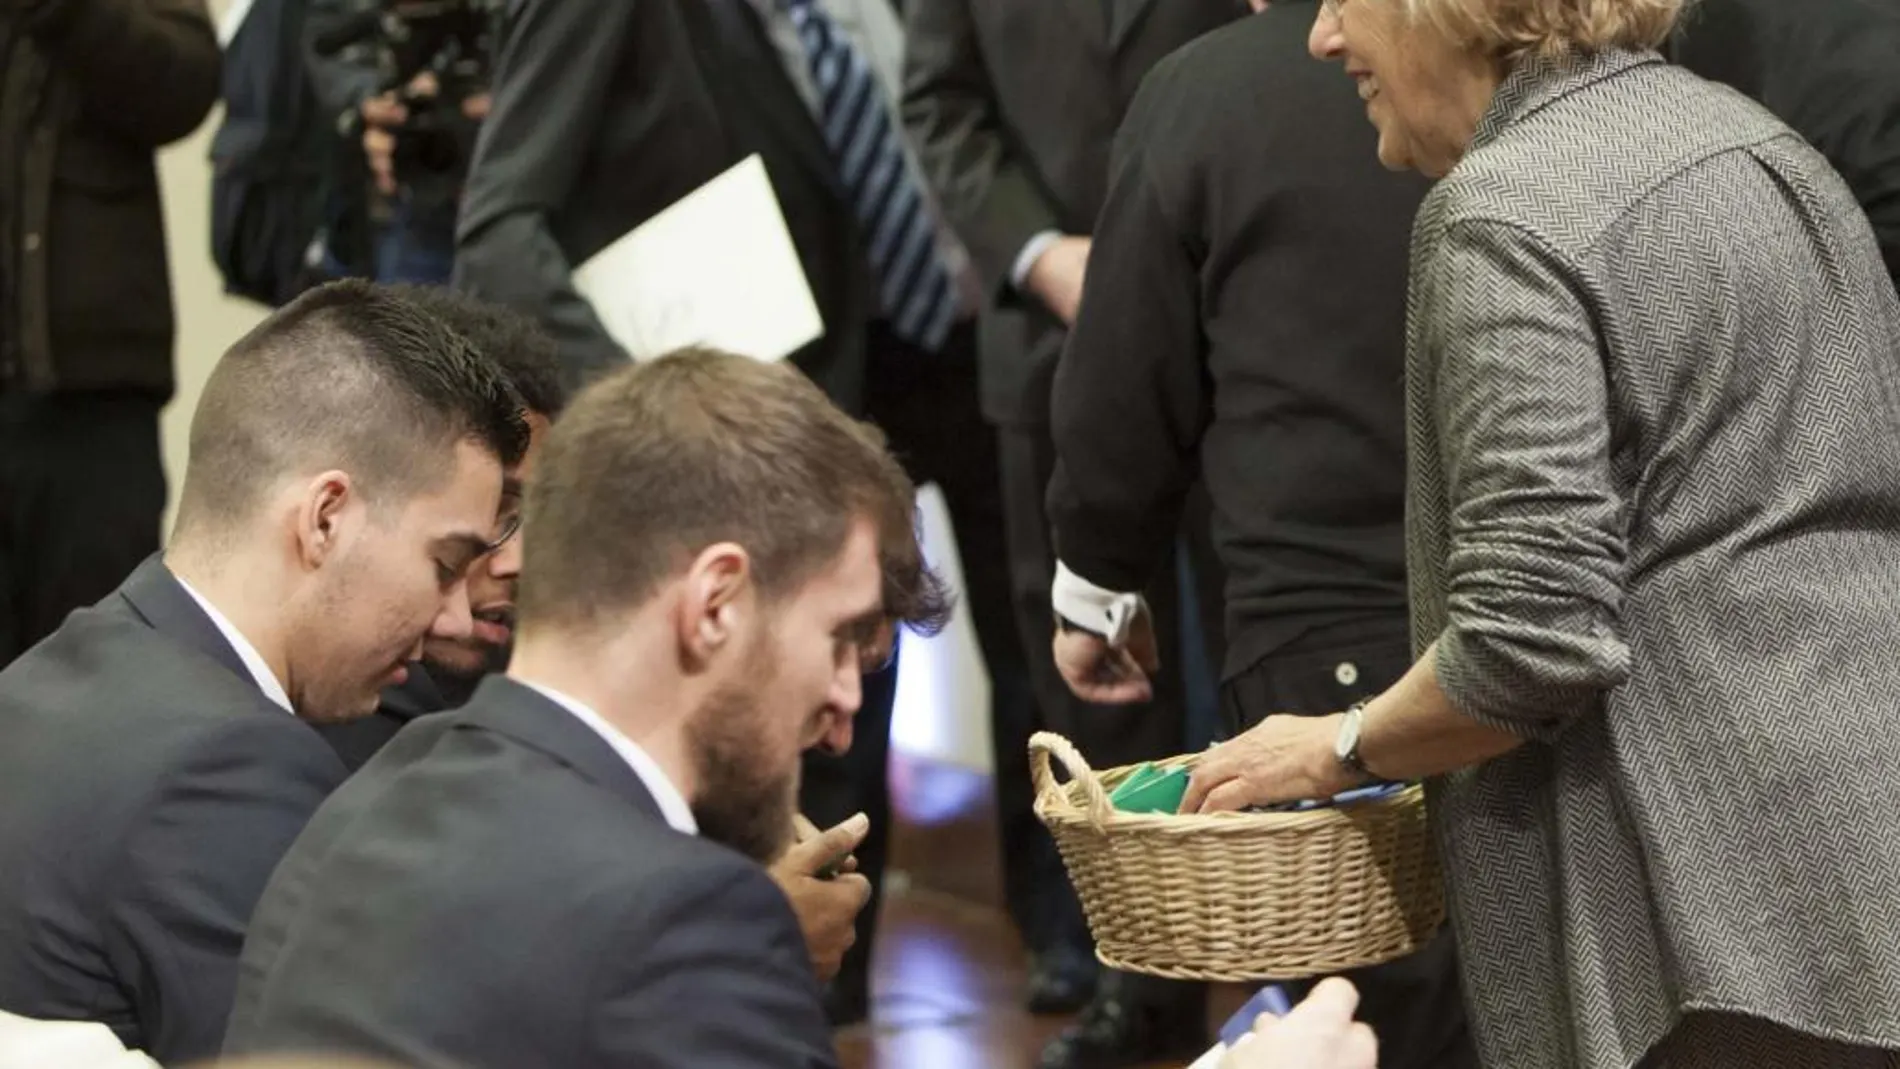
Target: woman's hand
{"type": "Point", "coordinates": [1319, 1033]}
{"type": "Point", "coordinates": [1281, 759]}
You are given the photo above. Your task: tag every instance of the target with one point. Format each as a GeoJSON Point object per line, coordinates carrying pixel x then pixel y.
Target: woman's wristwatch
{"type": "Point", "coordinates": [1346, 743]}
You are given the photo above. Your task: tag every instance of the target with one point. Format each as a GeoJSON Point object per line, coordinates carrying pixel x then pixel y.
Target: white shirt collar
{"type": "Point", "coordinates": [266, 679]}
{"type": "Point", "coordinates": [672, 803]}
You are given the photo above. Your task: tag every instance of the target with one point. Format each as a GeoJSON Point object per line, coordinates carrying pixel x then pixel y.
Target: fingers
{"type": "Point", "coordinates": [859, 887]}
{"type": "Point", "coordinates": [810, 855]}
{"type": "Point", "coordinates": [1360, 1049]}
{"type": "Point", "coordinates": [1333, 997]}
{"type": "Point", "coordinates": [1231, 796]}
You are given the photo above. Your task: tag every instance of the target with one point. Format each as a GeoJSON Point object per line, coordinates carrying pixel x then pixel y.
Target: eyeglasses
{"type": "Point", "coordinates": [510, 525]}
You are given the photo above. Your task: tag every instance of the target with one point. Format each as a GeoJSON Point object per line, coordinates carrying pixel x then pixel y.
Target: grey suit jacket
{"type": "Point", "coordinates": [1654, 527]}
{"type": "Point", "coordinates": [496, 888]}
{"type": "Point", "coordinates": [147, 789]}
{"type": "Point", "coordinates": [1014, 107]}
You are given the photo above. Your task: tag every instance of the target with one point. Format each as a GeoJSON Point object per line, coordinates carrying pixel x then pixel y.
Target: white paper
{"type": "Point", "coordinates": [231, 21]}
{"type": "Point", "coordinates": [716, 268]}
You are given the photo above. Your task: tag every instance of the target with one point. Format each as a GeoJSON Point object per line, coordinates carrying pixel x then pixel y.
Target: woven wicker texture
{"type": "Point", "coordinates": [1240, 896]}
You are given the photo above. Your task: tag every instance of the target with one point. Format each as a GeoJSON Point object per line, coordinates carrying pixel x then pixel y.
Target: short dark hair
{"type": "Point", "coordinates": [656, 461]}
{"type": "Point", "coordinates": [516, 343]}
{"type": "Point", "coordinates": [349, 375]}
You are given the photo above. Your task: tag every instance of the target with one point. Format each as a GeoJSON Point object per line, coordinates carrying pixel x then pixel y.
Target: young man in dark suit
{"type": "Point", "coordinates": [1244, 323]}
{"type": "Point", "coordinates": [1013, 106]}
{"type": "Point", "coordinates": [452, 666]}
{"type": "Point", "coordinates": [566, 871]}
{"type": "Point", "coordinates": [156, 756]}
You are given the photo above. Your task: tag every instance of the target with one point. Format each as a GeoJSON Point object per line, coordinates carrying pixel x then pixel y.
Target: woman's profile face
{"type": "Point", "coordinates": [1416, 85]}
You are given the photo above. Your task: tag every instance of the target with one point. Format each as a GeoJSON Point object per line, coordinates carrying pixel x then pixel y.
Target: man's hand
{"type": "Point", "coordinates": [1096, 672]}
{"type": "Point", "coordinates": [1319, 1033]}
{"type": "Point", "coordinates": [827, 909]}
{"type": "Point", "coordinates": [1056, 276]}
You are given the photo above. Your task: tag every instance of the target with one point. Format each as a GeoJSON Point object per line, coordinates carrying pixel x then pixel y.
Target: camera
{"type": "Point", "coordinates": [451, 40]}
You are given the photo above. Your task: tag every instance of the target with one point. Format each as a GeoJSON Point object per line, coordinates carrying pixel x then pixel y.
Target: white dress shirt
{"type": "Point", "coordinates": [267, 680]}
{"type": "Point", "coordinates": [672, 803]}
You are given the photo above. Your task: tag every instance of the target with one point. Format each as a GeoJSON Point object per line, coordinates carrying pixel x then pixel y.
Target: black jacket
{"type": "Point", "coordinates": [1013, 105]}
{"type": "Point", "coordinates": [498, 890]}
{"type": "Point", "coordinates": [88, 89]}
{"type": "Point", "coordinates": [1244, 316]}
{"type": "Point", "coordinates": [356, 741]}
{"type": "Point", "coordinates": [147, 790]}
{"type": "Point", "coordinates": [603, 115]}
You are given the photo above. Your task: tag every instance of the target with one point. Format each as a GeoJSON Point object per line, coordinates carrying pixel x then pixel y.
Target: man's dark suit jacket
{"type": "Point", "coordinates": [603, 115]}
{"type": "Point", "coordinates": [1828, 68]}
{"type": "Point", "coordinates": [147, 789]}
{"type": "Point", "coordinates": [1013, 105]}
{"type": "Point", "coordinates": [497, 888]}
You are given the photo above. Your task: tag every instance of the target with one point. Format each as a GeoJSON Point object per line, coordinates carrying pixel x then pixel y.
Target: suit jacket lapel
{"type": "Point", "coordinates": [1127, 18]}
{"type": "Point", "coordinates": [527, 716]}
{"type": "Point", "coordinates": [157, 598]}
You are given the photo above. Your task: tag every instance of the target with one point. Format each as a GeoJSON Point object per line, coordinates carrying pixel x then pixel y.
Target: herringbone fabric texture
{"type": "Point", "coordinates": [1654, 432]}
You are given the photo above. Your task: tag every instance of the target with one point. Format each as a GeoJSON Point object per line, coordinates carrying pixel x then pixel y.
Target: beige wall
{"type": "Point", "coordinates": [208, 321]}
{"type": "Point", "coordinates": [942, 690]}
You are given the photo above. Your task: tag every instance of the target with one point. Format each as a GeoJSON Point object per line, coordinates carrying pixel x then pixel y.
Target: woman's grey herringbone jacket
{"type": "Point", "coordinates": [1654, 432]}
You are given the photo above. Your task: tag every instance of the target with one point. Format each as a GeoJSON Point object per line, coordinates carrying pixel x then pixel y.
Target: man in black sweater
{"type": "Point", "coordinates": [1243, 318]}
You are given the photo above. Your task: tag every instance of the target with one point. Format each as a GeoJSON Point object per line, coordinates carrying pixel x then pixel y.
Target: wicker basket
{"type": "Point", "coordinates": [1240, 896]}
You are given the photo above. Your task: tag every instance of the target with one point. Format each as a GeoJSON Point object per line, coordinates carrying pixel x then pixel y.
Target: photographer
{"type": "Point", "coordinates": [408, 79]}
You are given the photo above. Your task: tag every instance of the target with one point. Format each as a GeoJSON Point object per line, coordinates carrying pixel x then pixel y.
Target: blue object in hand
{"type": "Point", "coordinates": [1270, 999]}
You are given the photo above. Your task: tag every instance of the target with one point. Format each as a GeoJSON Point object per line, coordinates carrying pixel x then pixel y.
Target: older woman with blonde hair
{"type": "Point", "coordinates": [1654, 536]}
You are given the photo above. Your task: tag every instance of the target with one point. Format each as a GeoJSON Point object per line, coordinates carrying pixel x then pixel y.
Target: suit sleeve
{"type": "Point", "coordinates": [989, 196]}
{"type": "Point", "coordinates": [715, 973]}
{"type": "Point", "coordinates": [550, 88]}
{"type": "Point", "coordinates": [196, 867]}
{"type": "Point", "coordinates": [1131, 399]}
{"type": "Point", "coordinates": [148, 70]}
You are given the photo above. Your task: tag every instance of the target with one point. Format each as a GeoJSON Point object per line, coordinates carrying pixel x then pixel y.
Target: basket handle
{"type": "Point", "coordinates": [1046, 744]}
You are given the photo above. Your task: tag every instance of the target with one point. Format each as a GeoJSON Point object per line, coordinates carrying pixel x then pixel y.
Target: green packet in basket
{"type": "Point", "coordinates": [1151, 790]}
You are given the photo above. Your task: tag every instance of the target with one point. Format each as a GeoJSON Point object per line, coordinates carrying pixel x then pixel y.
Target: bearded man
{"type": "Point", "coordinates": [567, 872]}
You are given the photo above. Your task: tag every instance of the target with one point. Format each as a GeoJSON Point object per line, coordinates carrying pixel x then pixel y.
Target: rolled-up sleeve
{"type": "Point", "coordinates": [1536, 568]}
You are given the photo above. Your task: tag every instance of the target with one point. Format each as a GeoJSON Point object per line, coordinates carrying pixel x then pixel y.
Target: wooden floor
{"type": "Point", "coordinates": [946, 991]}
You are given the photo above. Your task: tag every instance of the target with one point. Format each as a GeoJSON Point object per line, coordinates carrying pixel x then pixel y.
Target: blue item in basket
{"type": "Point", "coordinates": [1270, 999]}
{"type": "Point", "coordinates": [1357, 794]}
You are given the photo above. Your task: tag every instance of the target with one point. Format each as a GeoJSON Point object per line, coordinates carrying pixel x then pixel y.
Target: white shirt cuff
{"type": "Point", "coordinates": [1108, 613]}
{"type": "Point", "coordinates": [1032, 251]}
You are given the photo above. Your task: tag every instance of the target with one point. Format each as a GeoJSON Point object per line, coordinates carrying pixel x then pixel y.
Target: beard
{"type": "Point", "coordinates": [744, 802]}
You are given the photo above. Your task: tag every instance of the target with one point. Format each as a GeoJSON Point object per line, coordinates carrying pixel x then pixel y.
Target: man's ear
{"type": "Point", "coordinates": [322, 512]}
{"type": "Point", "coordinates": [717, 597]}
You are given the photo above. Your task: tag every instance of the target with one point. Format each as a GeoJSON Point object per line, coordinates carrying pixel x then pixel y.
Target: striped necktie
{"type": "Point", "coordinates": [919, 296]}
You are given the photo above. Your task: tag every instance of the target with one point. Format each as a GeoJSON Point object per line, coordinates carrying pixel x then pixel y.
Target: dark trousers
{"type": "Point", "coordinates": [926, 403]}
{"type": "Point", "coordinates": [82, 490]}
{"type": "Point", "coordinates": [1414, 1004]}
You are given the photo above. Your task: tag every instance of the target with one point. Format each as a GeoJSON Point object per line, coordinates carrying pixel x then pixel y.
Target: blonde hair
{"type": "Point", "coordinates": [1512, 29]}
